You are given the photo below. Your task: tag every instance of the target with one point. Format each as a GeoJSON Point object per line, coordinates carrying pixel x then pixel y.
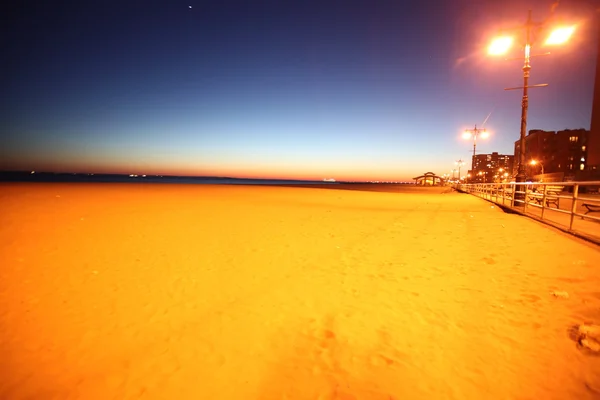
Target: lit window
{"type": "Point", "coordinates": [581, 167]}
{"type": "Point", "coordinates": [582, 148]}
{"type": "Point", "coordinates": [570, 166]}
{"type": "Point", "coordinates": [582, 159]}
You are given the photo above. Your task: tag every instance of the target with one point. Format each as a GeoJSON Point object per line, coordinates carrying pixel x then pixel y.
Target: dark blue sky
{"type": "Point", "coordinates": [294, 89]}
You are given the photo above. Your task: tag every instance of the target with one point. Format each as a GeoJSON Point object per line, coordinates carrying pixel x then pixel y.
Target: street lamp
{"type": "Point", "coordinates": [460, 163]}
{"type": "Point", "coordinates": [501, 175]}
{"type": "Point", "coordinates": [500, 46]}
{"type": "Point", "coordinates": [535, 162]}
{"type": "Point", "coordinates": [474, 133]}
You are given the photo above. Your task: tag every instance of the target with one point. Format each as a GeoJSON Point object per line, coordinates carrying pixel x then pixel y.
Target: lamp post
{"type": "Point", "coordinates": [500, 46]}
{"type": "Point", "coordinates": [460, 163]}
{"type": "Point", "coordinates": [535, 162]}
{"type": "Point", "coordinates": [474, 133]}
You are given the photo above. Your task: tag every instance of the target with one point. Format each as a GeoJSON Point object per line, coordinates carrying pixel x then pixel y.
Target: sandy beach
{"type": "Point", "coordinates": [164, 291]}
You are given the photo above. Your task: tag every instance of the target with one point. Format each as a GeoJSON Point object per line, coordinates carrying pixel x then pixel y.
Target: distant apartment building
{"type": "Point", "coordinates": [489, 168]}
{"type": "Point", "coordinates": [562, 154]}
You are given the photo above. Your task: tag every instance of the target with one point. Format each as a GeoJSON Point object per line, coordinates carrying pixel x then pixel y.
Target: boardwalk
{"type": "Point", "coordinates": [207, 292]}
{"type": "Point", "coordinates": [559, 215]}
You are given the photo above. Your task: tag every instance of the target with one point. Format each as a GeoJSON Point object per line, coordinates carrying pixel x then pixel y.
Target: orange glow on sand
{"type": "Point", "coordinates": [244, 292]}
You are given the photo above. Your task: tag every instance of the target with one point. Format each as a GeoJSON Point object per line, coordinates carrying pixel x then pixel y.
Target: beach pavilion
{"type": "Point", "coordinates": [429, 178]}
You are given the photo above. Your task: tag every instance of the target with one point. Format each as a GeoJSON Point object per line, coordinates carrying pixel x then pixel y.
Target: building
{"type": "Point", "coordinates": [593, 151]}
{"type": "Point", "coordinates": [558, 155]}
{"type": "Point", "coordinates": [493, 167]}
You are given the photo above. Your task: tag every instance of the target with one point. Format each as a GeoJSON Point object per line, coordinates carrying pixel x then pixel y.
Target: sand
{"type": "Point", "coordinates": [160, 291]}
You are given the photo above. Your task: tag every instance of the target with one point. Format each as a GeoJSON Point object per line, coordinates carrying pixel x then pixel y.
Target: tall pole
{"type": "Point", "coordinates": [521, 175]}
{"type": "Point", "coordinates": [541, 166]}
{"type": "Point", "coordinates": [459, 163]}
{"type": "Point", "coordinates": [475, 132]}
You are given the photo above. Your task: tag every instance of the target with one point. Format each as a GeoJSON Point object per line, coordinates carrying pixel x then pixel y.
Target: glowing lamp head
{"type": "Point", "coordinates": [500, 45]}
{"type": "Point", "coordinates": [560, 35]}
{"type": "Point", "coordinates": [533, 162]}
{"type": "Point", "coordinates": [484, 134]}
{"type": "Point", "coordinates": [466, 135]}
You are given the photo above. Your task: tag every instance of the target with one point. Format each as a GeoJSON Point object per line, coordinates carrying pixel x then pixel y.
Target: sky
{"type": "Point", "coordinates": [347, 89]}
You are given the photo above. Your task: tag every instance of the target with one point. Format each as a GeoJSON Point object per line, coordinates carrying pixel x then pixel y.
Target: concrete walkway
{"type": "Point", "coordinates": [587, 226]}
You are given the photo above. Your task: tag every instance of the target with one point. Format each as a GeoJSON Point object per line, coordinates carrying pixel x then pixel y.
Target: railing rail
{"type": "Point", "coordinates": [568, 205]}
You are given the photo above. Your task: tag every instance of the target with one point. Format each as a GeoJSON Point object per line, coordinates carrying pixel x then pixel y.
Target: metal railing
{"type": "Point", "coordinates": [568, 205]}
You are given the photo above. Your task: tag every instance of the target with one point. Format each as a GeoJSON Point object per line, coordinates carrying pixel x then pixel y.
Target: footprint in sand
{"type": "Point", "coordinates": [587, 337]}
{"type": "Point", "coordinates": [381, 360]}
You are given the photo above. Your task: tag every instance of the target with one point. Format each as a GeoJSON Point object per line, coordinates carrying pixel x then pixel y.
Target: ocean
{"type": "Point", "coordinates": [114, 178]}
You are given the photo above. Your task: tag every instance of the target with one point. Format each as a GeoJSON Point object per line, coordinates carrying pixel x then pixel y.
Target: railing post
{"type": "Point", "coordinates": [525, 198]}
{"type": "Point", "coordinates": [512, 198]}
{"type": "Point", "coordinates": [544, 200]}
{"type": "Point", "coordinates": [574, 205]}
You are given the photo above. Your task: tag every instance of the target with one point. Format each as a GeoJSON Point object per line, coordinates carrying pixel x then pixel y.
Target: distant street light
{"type": "Point", "coordinates": [460, 163]}
{"type": "Point", "coordinates": [501, 175]}
{"type": "Point", "coordinates": [535, 162]}
{"type": "Point", "coordinates": [500, 46]}
{"type": "Point", "coordinates": [474, 133]}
